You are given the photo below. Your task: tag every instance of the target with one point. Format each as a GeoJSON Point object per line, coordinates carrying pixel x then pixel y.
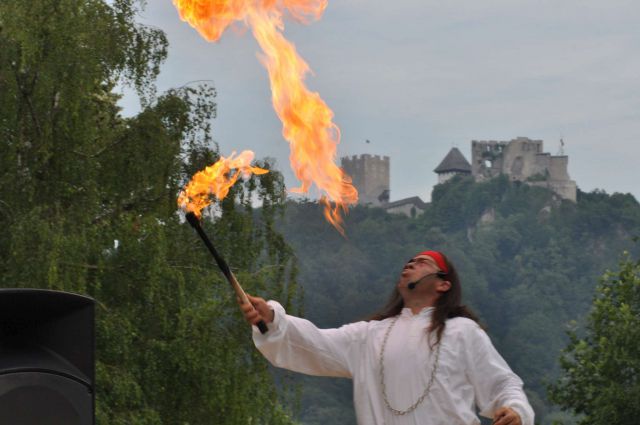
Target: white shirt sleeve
{"type": "Point", "coordinates": [494, 382]}
{"type": "Point", "coordinates": [297, 344]}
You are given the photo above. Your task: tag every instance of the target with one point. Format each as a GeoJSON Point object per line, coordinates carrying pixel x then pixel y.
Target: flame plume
{"type": "Point", "coordinates": [307, 122]}
{"type": "Point", "coordinates": [216, 180]}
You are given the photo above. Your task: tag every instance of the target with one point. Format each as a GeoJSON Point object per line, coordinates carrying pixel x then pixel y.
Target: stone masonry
{"type": "Point", "coordinates": [522, 159]}
{"type": "Point", "coordinates": [370, 174]}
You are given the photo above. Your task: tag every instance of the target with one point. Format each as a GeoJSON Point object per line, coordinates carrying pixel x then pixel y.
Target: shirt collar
{"type": "Point", "coordinates": [425, 312]}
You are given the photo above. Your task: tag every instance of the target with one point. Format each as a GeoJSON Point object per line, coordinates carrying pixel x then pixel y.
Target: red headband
{"type": "Point", "coordinates": [438, 258]}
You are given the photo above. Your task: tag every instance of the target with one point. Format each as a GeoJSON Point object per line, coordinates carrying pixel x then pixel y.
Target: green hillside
{"type": "Point", "coordinates": [529, 264]}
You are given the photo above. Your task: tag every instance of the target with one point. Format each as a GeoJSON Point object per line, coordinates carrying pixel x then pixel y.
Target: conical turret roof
{"type": "Point", "coordinates": [454, 162]}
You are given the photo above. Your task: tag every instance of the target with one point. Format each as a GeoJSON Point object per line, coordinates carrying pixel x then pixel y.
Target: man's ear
{"type": "Point", "coordinates": [443, 286]}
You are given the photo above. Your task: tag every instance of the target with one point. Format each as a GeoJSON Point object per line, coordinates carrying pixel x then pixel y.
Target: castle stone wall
{"type": "Point", "coordinates": [444, 177]}
{"type": "Point", "coordinates": [558, 168]}
{"type": "Point", "coordinates": [371, 176]}
{"type": "Point", "coordinates": [408, 210]}
{"type": "Point", "coordinates": [543, 162]}
{"type": "Point", "coordinates": [486, 159]}
{"type": "Point", "coordinates": [522, 159]}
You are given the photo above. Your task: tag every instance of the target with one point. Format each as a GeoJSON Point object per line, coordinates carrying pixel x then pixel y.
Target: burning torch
{"type": "Point", "coordinates": [217, 180]}
{"type": "Point", "coordinates": [307, 121]}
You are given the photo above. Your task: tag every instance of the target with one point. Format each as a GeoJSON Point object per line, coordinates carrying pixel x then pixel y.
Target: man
{"type": "Point", "coordinates": [423, 360]}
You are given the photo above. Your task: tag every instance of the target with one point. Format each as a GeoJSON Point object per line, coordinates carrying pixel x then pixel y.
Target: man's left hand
{"type": "Point", "coordinates": [506, 416]}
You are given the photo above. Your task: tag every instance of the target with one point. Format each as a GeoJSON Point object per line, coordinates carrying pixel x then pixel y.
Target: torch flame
{"type": "Point", "coordinates": [306, 120]}
{"type": "Point", "coordinates": [216, 180]}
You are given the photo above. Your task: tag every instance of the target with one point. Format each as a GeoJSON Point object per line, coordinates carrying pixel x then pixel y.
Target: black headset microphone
{"type": "Point", "coordinates": [412, 285]}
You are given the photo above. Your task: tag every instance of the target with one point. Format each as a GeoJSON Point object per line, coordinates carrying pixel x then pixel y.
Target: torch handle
{"type": "Point", "coordinates": [262, 326]}
{"type": "Point", "coordinates": [224, 267]}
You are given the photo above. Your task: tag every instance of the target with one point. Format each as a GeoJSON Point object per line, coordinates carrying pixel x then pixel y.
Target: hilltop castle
{"type": "Point", "coordinates": [521, 159]}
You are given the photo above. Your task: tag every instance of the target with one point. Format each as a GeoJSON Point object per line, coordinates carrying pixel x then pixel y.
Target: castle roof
{"type": "Point", "coordinates": [414, 200]}
{"type": "Point", "coordinates": [454, 161]}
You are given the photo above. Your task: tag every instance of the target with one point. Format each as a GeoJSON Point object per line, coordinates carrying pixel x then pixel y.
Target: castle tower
{"type": "Point", "coordinates": [370, 175]}
{"type": "Point", "coordinates": [452, 165]}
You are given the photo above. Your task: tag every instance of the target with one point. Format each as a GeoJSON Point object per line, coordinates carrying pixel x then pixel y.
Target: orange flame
{"type": "Point", "coordinates": [306, 120]}
{"type": "Point", "coordinates": [216, 180]}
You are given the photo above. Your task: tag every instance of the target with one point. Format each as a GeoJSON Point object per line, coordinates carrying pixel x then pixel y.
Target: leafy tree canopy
{"type": "Point", "coordinates": [88, 205]}
{"type": "Point", "coordinates": [600, 368]}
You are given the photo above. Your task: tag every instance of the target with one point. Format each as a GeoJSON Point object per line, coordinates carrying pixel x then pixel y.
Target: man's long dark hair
{"type": "Point", "coordinates": [448, 305]}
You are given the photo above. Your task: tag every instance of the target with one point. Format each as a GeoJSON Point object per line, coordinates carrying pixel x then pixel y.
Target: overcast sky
{"type": "Point", "coordinates": [418, 77]}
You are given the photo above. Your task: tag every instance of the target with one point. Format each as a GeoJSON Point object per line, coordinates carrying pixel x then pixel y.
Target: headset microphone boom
{"type": "Point", "coordinates": [412, 285]}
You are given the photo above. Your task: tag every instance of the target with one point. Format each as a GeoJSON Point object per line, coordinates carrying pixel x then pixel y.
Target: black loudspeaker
{"type": "Point", "coordinates": [46, 358]}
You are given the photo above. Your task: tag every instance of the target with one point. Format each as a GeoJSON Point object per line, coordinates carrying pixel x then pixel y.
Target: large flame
{"type": "Point", "coordinates": [216, 180]}
{"type": "Point", "coordinates": [306, 120]}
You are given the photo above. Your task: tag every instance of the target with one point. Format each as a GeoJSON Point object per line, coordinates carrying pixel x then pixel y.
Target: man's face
{"type": "Point", "coordinates": [418, 267]}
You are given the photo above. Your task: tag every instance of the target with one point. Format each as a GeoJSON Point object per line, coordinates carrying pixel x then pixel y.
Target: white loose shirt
{"type": "Point", "coordinates": [470, 372]}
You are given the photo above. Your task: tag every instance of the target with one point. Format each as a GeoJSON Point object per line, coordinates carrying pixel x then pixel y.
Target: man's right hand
{"type": "Point", "coordinates": [257, 310]}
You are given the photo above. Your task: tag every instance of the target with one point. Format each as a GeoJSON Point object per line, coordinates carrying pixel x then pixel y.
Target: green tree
{"type": "Point", "coordinates": [601, 369]}
{"type": "Point", "coordinates": [88, 205]}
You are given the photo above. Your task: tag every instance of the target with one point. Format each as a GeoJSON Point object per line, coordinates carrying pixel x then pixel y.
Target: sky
{"type": "Point", "coordinates": [418, 77]}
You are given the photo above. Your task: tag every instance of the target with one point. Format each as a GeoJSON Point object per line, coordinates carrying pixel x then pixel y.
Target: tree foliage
{"type": "Point", "coordinates": [601, 369]}
{"type": "Point", "coordinates": [88, 205]}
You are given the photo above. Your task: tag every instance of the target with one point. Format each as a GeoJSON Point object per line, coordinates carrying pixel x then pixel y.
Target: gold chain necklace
{"type": "Point", "coordinates": [384, 389]}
